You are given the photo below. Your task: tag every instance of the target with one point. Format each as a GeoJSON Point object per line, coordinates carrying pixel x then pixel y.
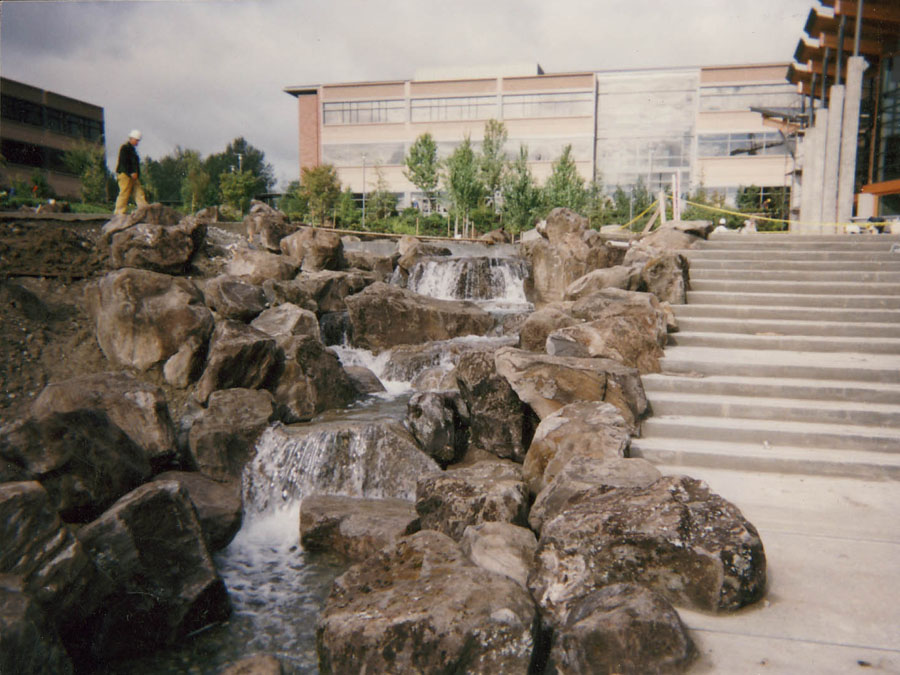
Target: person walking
{"type": "Point", "coordinates": [128, 174]}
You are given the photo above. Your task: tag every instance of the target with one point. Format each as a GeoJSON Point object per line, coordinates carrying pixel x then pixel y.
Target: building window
{"type": "Point", "coordinates": [28, 112]}
{"type": "Point", "coordinates": [455, 108]}
{"type": "Point", "coordinates": [568, 104]}
{"type": "Point", "coordinates": [364, 112]}
{"type": "Point", "coordinates": [741, 144]}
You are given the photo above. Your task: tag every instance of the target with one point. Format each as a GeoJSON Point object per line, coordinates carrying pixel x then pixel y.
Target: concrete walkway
{"type": "Point", "coordinates": [782, 391]}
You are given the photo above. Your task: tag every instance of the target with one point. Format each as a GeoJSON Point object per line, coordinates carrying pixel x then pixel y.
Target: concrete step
{"type": "Point", "coordinates": [849, 256]}
{"type": "Point", "coordinates": [824, 267]}
{"type": "Point", "coordinates": [782, 243]}
{"type": "Point", "coordinates": [701, 297]}
{"type": "Point", "coordinates": [696, 324]}
{"type": "Point", "coordinates": [773, 312]}
{"type": "Point", "coordinates": [754, 457]}
{"type": "Point", "coordinates": [773, 432]}
{"type": "Point", "coordinates": [773, 363]}
{"type": "Point", "coordinates": [774, 387]}
{"type": "Point", "coordinates": [803, 343]}
{"type": "Point", "coordinates": [788, 409]}
{"type": "Point", "coordinates": [781, 286]}
{"type": "Point", "coordinates": [842, 276]}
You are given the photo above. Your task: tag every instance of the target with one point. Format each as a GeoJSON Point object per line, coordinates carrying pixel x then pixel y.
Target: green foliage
{"type": "Point", "coordinates": [251, 161]}
{"type": "Point", "coordinates": [88, 162]}
{"type": "Point", "coordinates": [565, 186]}
{"type": "Point", "coordinates": [346, 210]}
{"type": "Point", "coordinates": [238, 189]}
{"type": "Point", "coordinates": [196, 181]}
{"type": "Point", "coordinates": [381, 203]}
{"type": "Point", "coordinates": [422, 166]}
{"type": "Point", "coordinates": [522, 198]}
{"type": "Point", "coordinates": [321, 188]}
{"type": "Point", "coordinates": [492, 161]}
{"type": "Point", "coordinates": [461, 179]}
{"type": "Point", "coordinates": [294, 203]}
{"type": "Point", "coordinates": [40, 186]}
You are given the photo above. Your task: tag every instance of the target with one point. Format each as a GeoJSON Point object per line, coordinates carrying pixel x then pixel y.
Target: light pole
{"type": "Point", "coordinates": [240, 163]}
{"type": "Point", "coordinates": [364, 191]}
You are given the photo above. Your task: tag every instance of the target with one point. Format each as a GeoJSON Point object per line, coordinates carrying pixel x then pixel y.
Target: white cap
{"type": "Point", "coordinates": [135, 134]}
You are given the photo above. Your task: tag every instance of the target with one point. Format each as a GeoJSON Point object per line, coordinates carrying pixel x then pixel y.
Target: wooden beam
{"type": "Point", "coordinates": [866, 47]}
{"type": "Point", "coordinates": [882, 13]}
{"type": "Point", "coordinates": [888, 187]}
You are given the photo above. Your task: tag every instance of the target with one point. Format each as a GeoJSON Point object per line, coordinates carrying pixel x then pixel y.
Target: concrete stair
{"type": "Point", "coordinates": [787, 359]}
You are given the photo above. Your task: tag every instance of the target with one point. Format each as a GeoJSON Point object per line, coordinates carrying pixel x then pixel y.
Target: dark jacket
{"type": "Point", "coordinates": [129, 162]}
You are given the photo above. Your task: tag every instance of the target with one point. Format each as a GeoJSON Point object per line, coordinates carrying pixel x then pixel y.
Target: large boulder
{"type": "Point", "coordinates": [584, 472]}
{"type": "Point", "coordinates": [329, 288]}
{"type": "Point", "coordinates": [626, 277]}
{"type": "Point", "coordinates": [286, 320]}
{"type": "Point", "coordinates": [222, 437]}
{"type": "Point", "coordinates": [585, 428]}
{"type": "Point", "coordinates": [384, 316]}
{"type": "Point", "coordinates": [438, 420]}
{"type": "Point", "coordinates": [266, 226]}
{"type": "Point", "coordinates": [154, 237]}
{"type": "Point", "coordinates": [314, 249]}
{"type": "Point", "coordinates": [29, 643]}
{"type": "Point", "coordinates": [311, 380]}
{"type": "Point", "coordinates": [626, 326]}
{"type": "Point", "coordinates": [233, 298]}
{"type": "Point", "coordinates": [488, 491]}
{"type": "Point", "coordinates": [501, 547]}
{"type": "Point", "coordinates": [137, 408]}
{"type": "Point", "coordinates": [294, 291]}
{"type": "Point", "coordinates": [142, 318]}
{"type": "Point", "coordinates": [353, 527]}
{"type": "Point", "coordinates": [407, 362]}
{"type": "Point", "coordinates": [218, 505]}
{"type": "Point", "coordinates": [547, 383]}
{"type": "Point", "coordinates": [667, 276]}
{"type": "Point", "coordinates": [51, 564]}
{"type": "Point", "coordinates": [259, 266]}
{"type": "Point", "coordinates": [621, 629]}
{"type": "Point", "coordinates": [374, 459]}
{"type": "Point", "coordinates": [540, 323]}
{"type": "Point", "coordinates": [567, 251]}
{"type": "Point", "coordinates": [84, 461]}
{"type": "Point", "coordinates": [498, 422]}
{"type": "Point", "coordinates": [674, 536]}
{"type": "Point", "coordinates": [371, 261]}
{"type": "Point", "coordinates": [239, 357]}
{"type": "Point", "coordinates": [399, 612]}
{"type": "Point", "coordinates": [151, 547]}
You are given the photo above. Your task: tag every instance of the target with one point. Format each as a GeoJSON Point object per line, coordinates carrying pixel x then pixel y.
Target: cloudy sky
{"type": "Point", "coordinates": [197, 74]}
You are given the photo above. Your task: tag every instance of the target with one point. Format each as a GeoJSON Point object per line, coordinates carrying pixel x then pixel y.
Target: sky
{"type": "Point", "coordinates": [198, 74]}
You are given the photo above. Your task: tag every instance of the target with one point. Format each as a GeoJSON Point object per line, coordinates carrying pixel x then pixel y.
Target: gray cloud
{"type": "Point", "coordinates": [198, 74]}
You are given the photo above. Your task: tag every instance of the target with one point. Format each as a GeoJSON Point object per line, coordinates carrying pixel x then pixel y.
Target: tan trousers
{"type": "Point", "coordinates": [127, 186]}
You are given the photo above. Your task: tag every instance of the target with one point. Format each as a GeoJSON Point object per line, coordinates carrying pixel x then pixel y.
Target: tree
{"type": "Point", "coordinates": [565, 186]}
{"type": "Point", "coordinates": [88, 162]}
{"type": "Point", "coordinates": [461, 180]}
{"type": "Point", "coordinates": [522, 201]}
{"type": "Point", "coordinates": [346, 210]}
{"type": "Point", "coordinates": [237, 189]}
{"type": "Point", "coordinates": [381, 203]}
{"type": "Point", "coordinates": [492, 162]}
{"type": "Point", "coordinates": [196, 181]}
{"type": "Point", "coordinates": [321, 188]}
{"type": "Point", "coordinates": [422, 166]}
{"type": "Point", "coordinates": [293, 202]}
{"type": "Point", "coordinates": [251, 161]}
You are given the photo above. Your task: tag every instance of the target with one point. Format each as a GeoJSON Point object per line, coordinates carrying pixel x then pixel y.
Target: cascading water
{"type": "Point", "coordinates": [276, 588]}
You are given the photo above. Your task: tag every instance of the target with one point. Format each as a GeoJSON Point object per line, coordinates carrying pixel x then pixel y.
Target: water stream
{"type": "Point", "coordinates": [276, 588]}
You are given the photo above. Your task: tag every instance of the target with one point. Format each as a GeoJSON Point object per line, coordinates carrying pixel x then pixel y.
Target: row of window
{"type": "Point", "coordinates": [35, 114]}
{"type": "Point", "coordinates": [511, 106]}
{"type": "Point", "coordinates": [734, 144]}
{"type": "Point", "coordinates": [37, 156]}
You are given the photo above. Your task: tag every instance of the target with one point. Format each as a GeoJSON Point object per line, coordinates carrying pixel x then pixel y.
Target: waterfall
{"type": "Point", "coordinates": [501, 280]}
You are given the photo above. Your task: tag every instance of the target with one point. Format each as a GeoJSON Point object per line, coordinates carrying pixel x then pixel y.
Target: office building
{"type": "Point", "coordinates": [625, 127]}
{"type": "Point", "coordinates": [38, 128]}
